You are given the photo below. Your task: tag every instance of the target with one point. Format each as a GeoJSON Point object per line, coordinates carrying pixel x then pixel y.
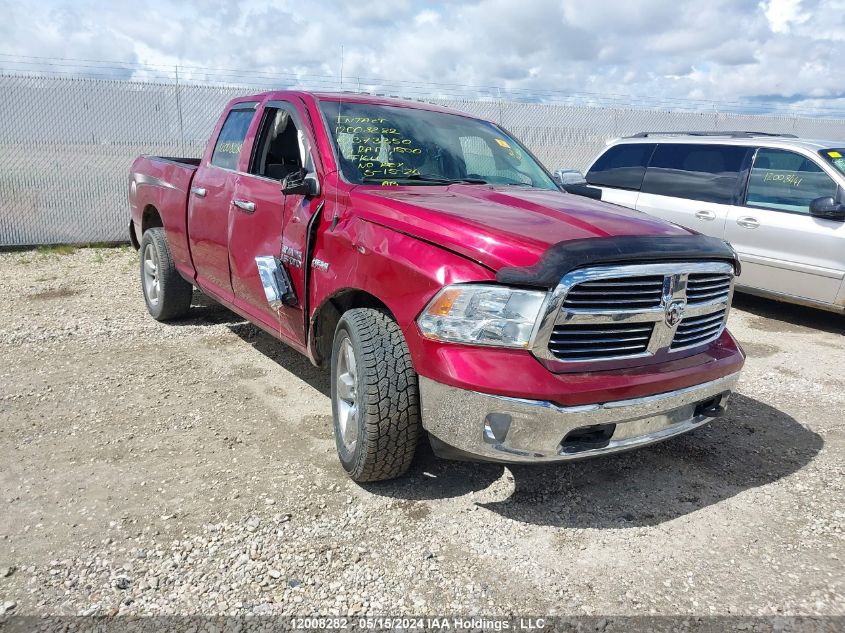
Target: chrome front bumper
{"type": "Point", "coordinates": [496, 428]}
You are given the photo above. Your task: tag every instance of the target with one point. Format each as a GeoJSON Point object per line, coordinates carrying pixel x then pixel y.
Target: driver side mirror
{"type": "Point", "coordinates": [826, 207]}
{"type": "Point", "coordinates": [569, 177]}
{"type": "Point", "coordinates": [573, 181]}
{"type": "Point", "coordinates": [301, 183]}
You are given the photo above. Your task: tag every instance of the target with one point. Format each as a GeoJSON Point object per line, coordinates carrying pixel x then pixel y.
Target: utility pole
{"type": "Point", "coordinates": [501, 113]}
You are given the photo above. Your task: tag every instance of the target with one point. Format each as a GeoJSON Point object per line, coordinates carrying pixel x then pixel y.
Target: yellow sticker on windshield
{"type": "Point", "coordinates": [834, 154]}
{"type": "Point", "coordinates": [503, 143]}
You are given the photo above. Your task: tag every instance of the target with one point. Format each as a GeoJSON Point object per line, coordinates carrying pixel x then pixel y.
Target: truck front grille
{"type": "Point", "coordinates": [617, 316]}
{"type": "Point", "coordinates": [580, 342]}
{"type": "Point", "coordinates": [704, 288]}
{"type": "Point", "coordinates": [699, 330]}
{"type": "Point", "coordinates": [614, 294]}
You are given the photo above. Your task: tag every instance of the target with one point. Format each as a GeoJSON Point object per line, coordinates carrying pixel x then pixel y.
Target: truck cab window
{"type": "Point", "coordinates": [227, 150]}
{"type": "Point", "coordinates": [282, 148]}
{"type": "Point", "coordinates": [786, 181]}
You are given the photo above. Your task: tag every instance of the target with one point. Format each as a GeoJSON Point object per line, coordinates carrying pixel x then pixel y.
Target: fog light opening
{"type": "Point", "coordinates": [496, 427]}
{"type": "Point", "coordinates": [587, 438]}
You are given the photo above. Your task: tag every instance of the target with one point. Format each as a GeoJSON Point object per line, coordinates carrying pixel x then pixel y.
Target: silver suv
{"type": "Point", "coordinates": [777, 199]}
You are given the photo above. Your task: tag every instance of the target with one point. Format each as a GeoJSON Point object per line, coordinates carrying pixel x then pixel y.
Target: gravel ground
{"type": "Point", "coordinates": [190, 468]}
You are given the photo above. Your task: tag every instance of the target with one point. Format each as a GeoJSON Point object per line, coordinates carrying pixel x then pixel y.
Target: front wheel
{"type": "Point", "coordinates": [375, 396]}
{"type": "Point", "coordinates": [166, 293]}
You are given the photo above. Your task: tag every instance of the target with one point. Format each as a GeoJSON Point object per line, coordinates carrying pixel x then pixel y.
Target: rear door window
{"type": "Point", "coordinates": [786, 181]}
{"type": "Point", "coordinates": [227, 150]}
{"type": "Point", "coordinates": [621, 166]}
{"type": "Point", "coordinates": [709, 173]}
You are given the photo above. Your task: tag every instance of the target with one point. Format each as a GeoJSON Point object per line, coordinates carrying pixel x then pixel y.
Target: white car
{"type": "Point", "coordinates": [777, 199]}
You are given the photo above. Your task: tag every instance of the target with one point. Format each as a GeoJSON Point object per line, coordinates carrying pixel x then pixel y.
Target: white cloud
{"type": "Point", "coordinates": [723, 50]}
{"type": "Point", "coordinates": [426, 16]}
{"type": "Point", "coordinates": [782, 14]}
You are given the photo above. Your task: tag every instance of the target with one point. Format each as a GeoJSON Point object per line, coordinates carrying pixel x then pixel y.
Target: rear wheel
{"type": "Point", "coordinates": [375, 396]}
{"type": "Point", "coordinates": [166, 293]}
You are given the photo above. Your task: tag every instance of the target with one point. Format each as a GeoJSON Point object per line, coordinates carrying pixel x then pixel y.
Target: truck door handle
{"type": "Point", "coordinates": [748, 222]}
{"type": "Point", "coordinates": [199, 192]}
{"type": "Point", "coordinates": [244, 205]}
{"type": "Point", "coordinates": [705, 215]}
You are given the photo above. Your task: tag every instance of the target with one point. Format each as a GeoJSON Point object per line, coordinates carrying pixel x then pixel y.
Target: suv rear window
{"type": "Point", "coordinates": [621, 166]}
{"type": "Point", "coordinates": [709, 173]}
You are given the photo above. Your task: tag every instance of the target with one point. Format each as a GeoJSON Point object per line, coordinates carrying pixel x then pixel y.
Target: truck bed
{"type": "Point", "coordinates": [195, 162]}
{"type": "Point", "coordinates": [159, 187]}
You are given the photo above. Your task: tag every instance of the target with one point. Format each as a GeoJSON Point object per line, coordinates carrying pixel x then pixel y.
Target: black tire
{"type": "Point", "coordinates": [172, 294]}
{"type": "Point", "coordinates": [386, 395]}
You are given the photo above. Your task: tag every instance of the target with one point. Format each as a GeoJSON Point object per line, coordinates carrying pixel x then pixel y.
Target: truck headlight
{"type": "Point", "coordinates": [482, 315]}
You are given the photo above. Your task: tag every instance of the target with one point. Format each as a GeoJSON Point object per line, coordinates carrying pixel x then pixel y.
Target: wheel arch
{"type": "Point", "coordinates": [327, 315]}
{"type": "Point", "coordinates": [150, 218]}
{"type": "Point", "coordinates": [133, 236]}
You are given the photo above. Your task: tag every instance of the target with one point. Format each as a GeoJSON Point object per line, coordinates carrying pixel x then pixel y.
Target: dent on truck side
{"type": "Point", "coordinates": [370, 265]}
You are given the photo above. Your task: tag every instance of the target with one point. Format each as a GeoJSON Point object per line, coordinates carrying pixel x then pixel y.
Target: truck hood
{"type": "Point", "coordinates": [501, 226]}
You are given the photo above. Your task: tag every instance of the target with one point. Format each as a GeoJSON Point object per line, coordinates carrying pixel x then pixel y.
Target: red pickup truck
{"type": "Point", "coordinates": [450, 285]}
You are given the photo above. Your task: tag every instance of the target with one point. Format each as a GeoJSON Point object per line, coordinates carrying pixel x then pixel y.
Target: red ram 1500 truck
{"type": "Point", "coordinates": [432, 263]}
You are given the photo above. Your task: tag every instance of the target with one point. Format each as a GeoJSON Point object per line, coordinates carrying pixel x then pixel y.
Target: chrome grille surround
{"type": "Point", "coordinates": [693, 324]}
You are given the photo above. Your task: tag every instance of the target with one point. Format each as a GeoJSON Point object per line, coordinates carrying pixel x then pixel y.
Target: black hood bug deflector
{"type": "Point", "coordinates": [565, 257]}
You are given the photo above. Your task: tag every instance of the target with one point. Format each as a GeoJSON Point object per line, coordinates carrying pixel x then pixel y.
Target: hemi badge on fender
{"type": "Point", "coordinates": [319, 263]}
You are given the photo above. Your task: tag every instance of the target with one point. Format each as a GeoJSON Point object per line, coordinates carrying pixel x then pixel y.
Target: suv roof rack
{"type": "Point", "coordinates": [731, 134]}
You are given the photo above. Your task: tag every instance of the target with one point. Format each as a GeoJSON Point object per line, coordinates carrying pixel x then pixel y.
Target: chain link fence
{"type": "Point", "coordinates": [67, 144]}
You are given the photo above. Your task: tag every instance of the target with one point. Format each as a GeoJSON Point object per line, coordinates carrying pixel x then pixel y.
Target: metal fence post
{"type": "Point", "coordinates": [179, 111]}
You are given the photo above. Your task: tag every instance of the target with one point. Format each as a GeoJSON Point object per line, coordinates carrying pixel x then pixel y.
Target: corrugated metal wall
{"type": "Point", "coordinates": [67, 144]}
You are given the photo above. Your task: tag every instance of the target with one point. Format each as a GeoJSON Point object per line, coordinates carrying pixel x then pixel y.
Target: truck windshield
{"type": "Point", "coordinates": [389, 145]}
{"type": "Point", "coordinates": [835, 157]}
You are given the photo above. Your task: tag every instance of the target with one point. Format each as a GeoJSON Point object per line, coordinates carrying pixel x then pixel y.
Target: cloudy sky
{"type": "Point", "coordinates": [787, 52]}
